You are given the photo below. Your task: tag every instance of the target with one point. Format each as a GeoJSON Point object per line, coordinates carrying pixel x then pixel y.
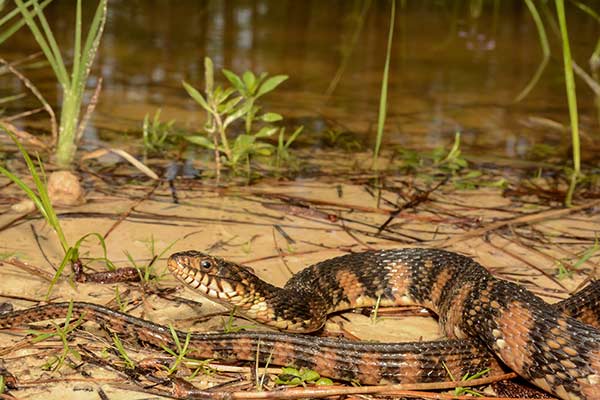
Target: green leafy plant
{"type": "Point", "coordinates": [63, 334]}
{"type": "Point", "coordinates": [73, 85]}
{"type": "Point", "coordinates": [157, 134]}
{"type": "Point", "coordinates": [283, 154]}
{"type": "Point", "coordinates": [251, 88]}
{"type": "Point", "coordinates": [291, 376]}
{"type": "Point", "coordinates": [225, 106]}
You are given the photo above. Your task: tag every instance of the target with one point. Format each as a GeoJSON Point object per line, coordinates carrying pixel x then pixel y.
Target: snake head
{"type": "Point", "coordinates": [219, 280]}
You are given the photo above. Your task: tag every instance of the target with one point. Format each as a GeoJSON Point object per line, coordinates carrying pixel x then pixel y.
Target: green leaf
{"type": "Point", "coordinates": [243, 110]}
{"type": "Point", "coordinates": [294, 136]}
{"type": "Point", "coordinates": [201, 141]}
{"type": "Point", "coordinates": [265, 131]}
{"type": "Point", "coordinates": [250, 81]}
{"type": "Point", "coordinates": [290, 371]}
{"type": "Point", "coordinates": [310, 375]}
{"type": "Point", "coordinates": [209, 75]}
{"type": "Point", "coordinates": [271, 117]}
{"type": "Point", "coordinates": [263, 149]}
{"type": "Point", "coordinates": [195, 94]}
{"type": "Point", "coordinates": [270, 84]}
{"type": "Point", "coordinates": [243, 144]}
{"type": "Point", "coordinates": [227, 107]}
{"type": "Point", "coordinates": [221, 95]}
{"type": "Point", "coordinates": [324, 382]}
{"type": "Point", "coordinates": [235, 80]}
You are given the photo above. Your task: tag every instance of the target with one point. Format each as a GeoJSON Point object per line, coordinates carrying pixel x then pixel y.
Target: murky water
{"type": "Point", "coordinates": [456, 66]}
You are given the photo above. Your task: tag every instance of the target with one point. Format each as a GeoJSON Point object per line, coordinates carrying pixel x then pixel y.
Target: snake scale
{"type": "Point", "coordinates": [482, 315]}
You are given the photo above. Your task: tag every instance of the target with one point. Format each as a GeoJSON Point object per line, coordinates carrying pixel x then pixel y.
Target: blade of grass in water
{"type": "Point", "coordinates": [74, 84]}
{"type": "Point", "coordinates": [545, 50]}
{"type": "Point", "coordinates": [384, 87]}
{"type": "Point", "coordinates": [19, 24]}
{"type": "Point", "coordinates": [571, 98]}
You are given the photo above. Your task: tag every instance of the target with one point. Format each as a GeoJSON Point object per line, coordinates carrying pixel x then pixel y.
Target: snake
{"type": "Point", "coordinates": [556, 347]}
{"type": "Point", "coordinates": [550, 349]}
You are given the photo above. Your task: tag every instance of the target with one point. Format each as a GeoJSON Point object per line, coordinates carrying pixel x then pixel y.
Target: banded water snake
{"type": "Point", "coordinates": [550, 349]}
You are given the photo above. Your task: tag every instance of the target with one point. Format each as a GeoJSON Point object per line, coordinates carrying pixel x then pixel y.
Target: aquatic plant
{"type": "Point", "coordinates": [157, 134]}
{"type": "Point", "coordinates": [226, 105]}
{"type": "Point", "coordinates": [448, 163]}
{"type": "Point", "coordinates": [571, 99]}
{"type": "Point", "coordinates": [384, 87]}
{"type": "Point", "coordinates": [545, 50]}
{"type": "Point", "coordinates": [8, 32]}
{"type": "Point", "coordinates": [72, 84]}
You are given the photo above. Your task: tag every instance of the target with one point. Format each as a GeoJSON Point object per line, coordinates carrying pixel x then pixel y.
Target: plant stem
{"type": "Point", "coordinates": [571, 98]}
{"type": "Point", "coordinates": [384, 87]}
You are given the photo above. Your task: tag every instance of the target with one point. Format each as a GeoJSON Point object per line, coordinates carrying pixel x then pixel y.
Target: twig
{"type": "Point", "coordinates": [526, 219]}
{"type": "Point", "coordinates": [38, 95]}
{"type": "Point", "coordinates": [89, 110]}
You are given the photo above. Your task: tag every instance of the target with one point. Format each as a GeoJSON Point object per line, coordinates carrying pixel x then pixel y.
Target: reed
{"type": "Point", "coordinates": [571, 99]}
{"type": "Point", "coordinates": [73, 84]}
{"type": "Point", "coordinates": [18, 24]}
{"type": "Point", "coordinates": [544, 44]}
{"type": "Point", "coordinates": [384, 87]}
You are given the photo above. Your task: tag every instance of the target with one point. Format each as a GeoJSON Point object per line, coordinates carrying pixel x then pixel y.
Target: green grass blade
{"type": "Point", "coordinates": [63, 77]}
{"type": "Point", "coordinates": [19, 24]}
{"type": "Point", "coordinates": [92, 41]}
{"type": "Point", "coordinates": [58, 69]}
{"type": "Point", "coordinates": [68, 256]}
{"type": "Point", "coordinates": [571, 98]}
{"type": "Point", "coordinates": [545, 50]}
{"type": "Point", "coordinates": [384, 86]}
{"type": "Point", "coordinates": [30, 193]}
{"type": "Point", "coordinates": [76, 43]}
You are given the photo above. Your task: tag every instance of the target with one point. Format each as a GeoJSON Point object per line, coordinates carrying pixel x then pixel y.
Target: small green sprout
{"type": "Point", "coordinates": [291, 376]}
{"type": "Point", "coordinates": [62, 333]}
{"type": "Point", "coordinates": [129, 364]}
{"type": "Point", "coordinates": [459, 391]}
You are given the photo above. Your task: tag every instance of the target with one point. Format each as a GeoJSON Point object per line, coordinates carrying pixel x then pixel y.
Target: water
{"type": "Point", "coordinates": [455, 67]}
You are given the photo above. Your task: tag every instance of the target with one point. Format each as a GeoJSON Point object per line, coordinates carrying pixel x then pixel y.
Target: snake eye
{"type": "Point", "coordinates": [206, 264]}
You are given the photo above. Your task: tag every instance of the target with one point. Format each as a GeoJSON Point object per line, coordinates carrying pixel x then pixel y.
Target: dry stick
{"type": "Point", "coordinates": [526, 219]}
{"type": "Point", "coordinates": [38, 272]}
{"type": "Point", "coordinates": [36, 237]}
{"type": "Point", "coordinates": [349, 232]}
{"type": "Point", "coordinates": [89, 110]}
{"type": "Point", "coordinates": [38, 95]}
{"type": "Point", "coordinates": [278, 249]}
{"type": "Point", "coordinates": [412, 203]}
{"type": "Point", "coordinates": [24, 136]}
{"type": "Point", "coordinates": [532, 265]}
{"type": "Point", "coordinates": [130, 210]}
{"type": "Point", "coordinates": [24, 114]}
{"type": "Point", "coordinates": [398, 389]}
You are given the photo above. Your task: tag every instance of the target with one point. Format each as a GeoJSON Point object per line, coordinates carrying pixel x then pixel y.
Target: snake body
{"type": "Point", "coordinates": [542, 342]}
{"type": "Point", "coordinates": [550, 349]}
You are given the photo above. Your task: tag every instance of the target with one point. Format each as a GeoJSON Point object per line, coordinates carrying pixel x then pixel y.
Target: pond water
{"type": "Point", "coordinates": [456, 66]}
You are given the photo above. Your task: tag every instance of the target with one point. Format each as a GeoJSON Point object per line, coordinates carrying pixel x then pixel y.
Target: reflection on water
{"type": "Point", "coordinates": [454, 66]}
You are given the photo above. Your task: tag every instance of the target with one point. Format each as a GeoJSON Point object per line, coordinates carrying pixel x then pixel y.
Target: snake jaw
{"type": "Point", "coordinates": [219, 280]}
